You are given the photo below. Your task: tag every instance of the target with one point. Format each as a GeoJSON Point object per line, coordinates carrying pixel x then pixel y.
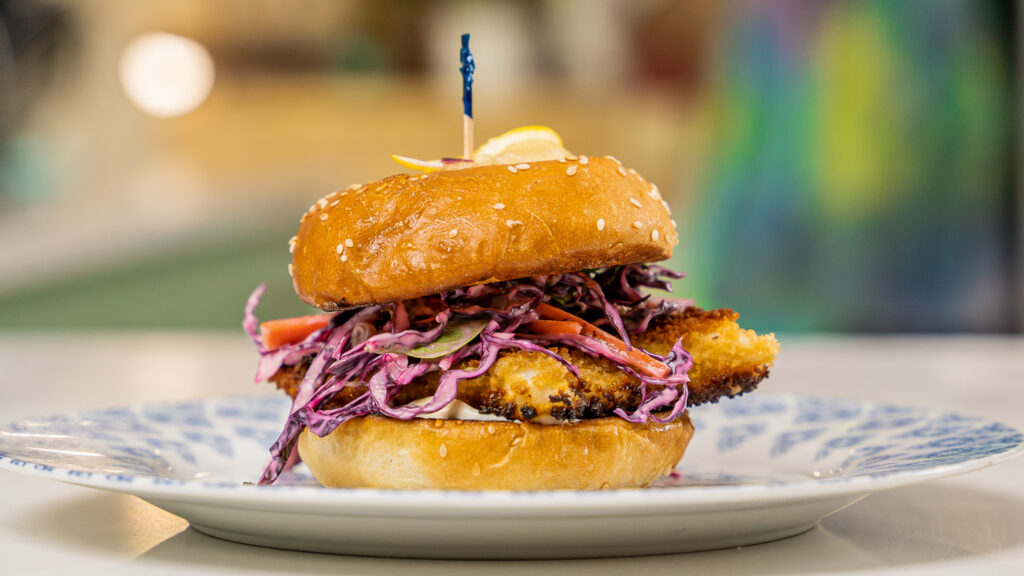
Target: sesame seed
{"type": "Point", "coordinates": [571, 170]}
{"type": "Point", "coordinates": [654, 235]}
{"type": "Point", "coordinates": [353, 187]}
{"type": "Point", "coordinates": [499, 206]}
{"type": "Point", "coordinates": [562, 160]}
{"type": "Point", "coordinates": [348, 243]}
{"type": "Point", "coordinates": [571, 158]}
{"type": "Point", "coordinates": [335, 203]}
{"type": "Point", "coordinates": [638, 224]}
{"type": "Point", "coordinates": [654, 192]}
{"type": "Point", "coordinates": [443, 450]}
{"type": "Point", "coordinates": [635, 202]}
{"type": "Point", "coordinates": [291, 244]}
{"type": "Point", "coordinates": [584, 160]}
{"type": "Point", "coordinates": [291, 270]}
{"type": "Point", "coordinates": [512, 169]}
{"type": "Point", "coordinates": [323, 216]}
{"type": "Point", "coordinates": [512, 223]}
{"type": "Point", "coordinates": [614, 159]}
{"type": "Point", "coordinates": [453, 233]}
{"type": "Point", "coordinates": [322, 203]}
{"type": "Point", "coordinates": [600, 223]}
{"type": "Point", "coordinates": [523, 166]}
{"type": "Point", "coordinates": [344, 257]}
{"type": "Point", "coordinates": [339, 248]}
{"type": "Point", "coordinates": [633, 172]}
{"type": "Point", "coordinates": [665, 204]}
{"type": "Point", "coordinates": [673, 223]}
{"type": "Point", "coordinates": [622, 171]}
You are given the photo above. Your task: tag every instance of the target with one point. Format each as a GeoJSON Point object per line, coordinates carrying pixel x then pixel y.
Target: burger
{"type": "Point", "coordinates": [495, 325]}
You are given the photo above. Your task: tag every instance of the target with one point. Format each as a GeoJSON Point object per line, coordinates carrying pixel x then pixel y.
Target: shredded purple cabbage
{"type": "Point", "coordinates": [364, 347]}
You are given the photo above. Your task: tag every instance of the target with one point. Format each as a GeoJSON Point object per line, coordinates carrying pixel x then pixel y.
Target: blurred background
{"type": "Point", "coordinates": [834, 166]}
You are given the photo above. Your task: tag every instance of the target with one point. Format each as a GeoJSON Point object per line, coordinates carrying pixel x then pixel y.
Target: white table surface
{"type": "Point", "coordinates": [967, 524]}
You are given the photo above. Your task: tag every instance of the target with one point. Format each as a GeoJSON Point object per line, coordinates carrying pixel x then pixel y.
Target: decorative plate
{"type": "Point", "coordinates": [761, 467]}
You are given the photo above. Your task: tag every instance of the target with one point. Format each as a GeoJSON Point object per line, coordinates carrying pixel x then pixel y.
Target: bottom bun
{"type": "Point", "coordinates": [599, 454]}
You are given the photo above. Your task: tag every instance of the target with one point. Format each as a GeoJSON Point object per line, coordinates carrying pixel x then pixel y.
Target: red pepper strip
{"type": "Point", "coordinates": [277, 333]}
{"type": "Point", "coordinates": [641, 361]}
{"type": "Point", "coordinates": [554, 327]}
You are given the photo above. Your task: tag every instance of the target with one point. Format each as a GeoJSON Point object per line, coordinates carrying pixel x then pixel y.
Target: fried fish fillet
{"type": "Point", "coordinates": [727, 361]}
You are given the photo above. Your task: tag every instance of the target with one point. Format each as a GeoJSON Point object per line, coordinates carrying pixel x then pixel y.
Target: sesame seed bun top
{"type": "Point", "coordinates": [409, 236]}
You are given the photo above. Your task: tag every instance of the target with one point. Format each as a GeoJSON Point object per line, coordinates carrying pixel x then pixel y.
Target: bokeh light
{"type": "Point", "coordinates": [166, 75]}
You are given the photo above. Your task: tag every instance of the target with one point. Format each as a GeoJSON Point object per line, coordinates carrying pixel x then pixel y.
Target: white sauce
{"type": "Point", "coordinates": [456, 410]}
{"type": "Point", "coordinates": [459, 410]}
{"type": "Point", "coordinates": [549, 420]}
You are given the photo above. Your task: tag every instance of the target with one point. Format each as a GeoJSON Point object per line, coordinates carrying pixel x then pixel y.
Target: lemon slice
{"type": "Point", "coordinates": [415, 164]}
{"type": "Point", "coordinates": [523, 144]}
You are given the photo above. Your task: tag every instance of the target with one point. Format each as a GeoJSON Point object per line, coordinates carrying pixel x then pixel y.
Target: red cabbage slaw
{"type": "Point", "coordinates": [378, 346]}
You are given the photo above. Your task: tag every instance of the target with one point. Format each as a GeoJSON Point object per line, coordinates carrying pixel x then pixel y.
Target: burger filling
{"type": "Point", "coordinates": [550, 349]}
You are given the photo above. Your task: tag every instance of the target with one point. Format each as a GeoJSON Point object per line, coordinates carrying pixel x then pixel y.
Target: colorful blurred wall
{"type": "Point", "coordinates": [833, 165]}
{"type": "Point", "coordinates": [860, 171]}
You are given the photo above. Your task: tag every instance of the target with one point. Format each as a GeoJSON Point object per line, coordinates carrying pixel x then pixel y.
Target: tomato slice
{"type": "Point", "coordinates": [277, 333]}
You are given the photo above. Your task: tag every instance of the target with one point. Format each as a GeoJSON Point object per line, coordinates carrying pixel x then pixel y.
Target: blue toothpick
{"type": "Point", "coordinates": [467, 69]}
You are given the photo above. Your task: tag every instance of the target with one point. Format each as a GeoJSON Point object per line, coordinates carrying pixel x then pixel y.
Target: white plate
{"type": "Point", "coordinates": [760, 468]}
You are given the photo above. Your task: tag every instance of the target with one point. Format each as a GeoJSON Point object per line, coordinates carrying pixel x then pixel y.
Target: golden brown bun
{"type": "Point", "coordinates": [600, 454]}
{"type": "Point", "coordinates": [408, 236]}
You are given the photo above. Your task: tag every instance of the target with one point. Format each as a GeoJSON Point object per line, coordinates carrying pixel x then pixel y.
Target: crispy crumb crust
{"type": "Point", "coordinates": [728, 361]}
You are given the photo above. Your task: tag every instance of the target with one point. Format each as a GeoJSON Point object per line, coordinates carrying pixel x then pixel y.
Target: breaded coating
{"type": "Point", "coordinates": [728, 361]}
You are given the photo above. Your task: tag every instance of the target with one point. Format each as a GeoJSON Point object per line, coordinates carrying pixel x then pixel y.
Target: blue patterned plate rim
{"type": "Point", "coordinates": [943, 444]}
